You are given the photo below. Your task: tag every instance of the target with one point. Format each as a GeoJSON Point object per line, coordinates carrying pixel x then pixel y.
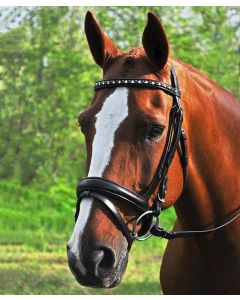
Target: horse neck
{"type": "Point", "coordinates": [211, 122]}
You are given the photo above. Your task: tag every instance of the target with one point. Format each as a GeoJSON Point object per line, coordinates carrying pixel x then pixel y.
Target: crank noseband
{"type": "Point", "coordinates": [112, 190]}
{"type": "Point", "coordinates": [105, 191]}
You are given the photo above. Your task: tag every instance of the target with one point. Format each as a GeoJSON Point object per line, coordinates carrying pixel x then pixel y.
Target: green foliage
{"type": "Point", "coordinates": [34, 217]}
{"type": "Point", "coordinates": [42, 94]}
{"type": "Point", "coordinates": [46, 76]}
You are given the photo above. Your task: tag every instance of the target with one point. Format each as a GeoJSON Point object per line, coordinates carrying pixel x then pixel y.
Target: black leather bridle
{"type": "Point", "coordinates": [102, 189]}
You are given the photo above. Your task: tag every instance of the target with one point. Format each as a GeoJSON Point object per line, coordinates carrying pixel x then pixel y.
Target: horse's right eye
{"type": "Point", "coordinates": [82, 129]}
{"type": "Point", "coordinates": [154, 133]}
{"type": "Point", "coordinates": [83, 122]}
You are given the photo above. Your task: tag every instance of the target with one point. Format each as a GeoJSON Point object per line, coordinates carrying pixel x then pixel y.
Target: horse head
{"type": "Point", "coordinates": [125, 130]}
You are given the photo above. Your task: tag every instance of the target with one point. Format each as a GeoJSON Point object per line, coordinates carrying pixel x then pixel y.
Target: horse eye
{"type": "Point", "coordinates": [83, 127]}
{"type": "Point", "coordinates": [154, 132]}
{"type": "Point", "coordinates": [83, 123]}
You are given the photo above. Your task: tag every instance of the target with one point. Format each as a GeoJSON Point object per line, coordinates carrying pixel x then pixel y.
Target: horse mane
{"type": "Point", "coordinates": [201, 79]}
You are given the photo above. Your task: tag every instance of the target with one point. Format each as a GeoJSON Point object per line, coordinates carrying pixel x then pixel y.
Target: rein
{"type": "Point", "coordinates": [102, 189]}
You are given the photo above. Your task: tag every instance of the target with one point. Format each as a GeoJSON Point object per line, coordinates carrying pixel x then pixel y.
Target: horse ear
{"type": "Point", "coordinates": [101, 47]}
{"type": "Point", "coordinates": [155, 42]}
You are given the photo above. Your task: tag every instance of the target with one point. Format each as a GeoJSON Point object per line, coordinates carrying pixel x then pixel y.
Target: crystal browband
{"type": "Point", "coordinates": [137, 83]}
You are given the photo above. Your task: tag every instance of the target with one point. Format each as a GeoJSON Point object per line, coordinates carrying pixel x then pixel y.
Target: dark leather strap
{"type": "Point", "coordinates": [113, 190]}
{"type": "Point", "coordinates": [184, 153]}
{"type": "Point", "coordinates": [172, 141]}
{"type": "Point", "coordinates": [169, 235]}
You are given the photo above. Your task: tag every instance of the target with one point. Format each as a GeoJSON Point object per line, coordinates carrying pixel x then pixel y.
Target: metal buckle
{"type": "Point", "coordinates": [147, 235]}
{"type": "Point", "coordinates": [162, 200]}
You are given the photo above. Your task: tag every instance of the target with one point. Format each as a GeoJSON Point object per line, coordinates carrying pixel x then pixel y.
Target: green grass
{"type": "Point", "coordinates": [34, 228]}
{"type": "Point", "coordinates": [26, 271]}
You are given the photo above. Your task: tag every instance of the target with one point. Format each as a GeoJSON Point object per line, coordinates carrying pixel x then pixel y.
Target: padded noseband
{"type": "Point", "coordinates": [112, 190]}
{"type": "Point", "coordinates": [102, 190]}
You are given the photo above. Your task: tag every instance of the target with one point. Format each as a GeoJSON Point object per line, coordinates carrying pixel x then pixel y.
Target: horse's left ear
{"type": "Point", "coordinates": [155, 42]}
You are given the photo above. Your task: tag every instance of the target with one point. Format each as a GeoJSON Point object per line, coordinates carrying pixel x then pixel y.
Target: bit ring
{"type": "Point", "coordinates": [147, 235]}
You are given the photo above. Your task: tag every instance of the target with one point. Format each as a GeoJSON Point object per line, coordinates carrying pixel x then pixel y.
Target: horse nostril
{"type": "Point", "coordinates": [68, 247]}
{"type": "Point", "coordinates": [103, 260]}
{"type": "Point", "coordinates": [108, 259]}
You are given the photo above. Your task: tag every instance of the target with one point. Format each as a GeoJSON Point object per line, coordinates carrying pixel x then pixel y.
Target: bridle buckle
{"type": "Point", "coordinates": [161, 200]}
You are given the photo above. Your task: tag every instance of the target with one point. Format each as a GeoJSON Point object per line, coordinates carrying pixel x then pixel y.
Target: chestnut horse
{"type": "Point", "coordinates": [126, 130]}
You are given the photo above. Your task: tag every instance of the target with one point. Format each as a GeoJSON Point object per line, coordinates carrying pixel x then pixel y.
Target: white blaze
{"type": "Point", "coordinates": [113, 112]}
{"type": "Point", "coordinates": [85, 208]}
{"type": "Point", "coordinates": [108, 120]}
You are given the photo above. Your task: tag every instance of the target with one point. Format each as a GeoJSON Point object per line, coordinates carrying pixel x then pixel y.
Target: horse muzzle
{"type": "Point", "coordinates": [101, 267]}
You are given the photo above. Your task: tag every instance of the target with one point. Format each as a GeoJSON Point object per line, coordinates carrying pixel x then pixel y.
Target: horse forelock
{"type": "Point", "coordinates": [122, 62]}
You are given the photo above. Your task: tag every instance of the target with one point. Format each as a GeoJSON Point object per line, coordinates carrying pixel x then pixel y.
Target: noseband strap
{"type": "Point", "coordinates": [103, 190]}
{"type": "Point", "coordinates": [112, 209]}
{"type": "Point", "coordinates": [111, 189]}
